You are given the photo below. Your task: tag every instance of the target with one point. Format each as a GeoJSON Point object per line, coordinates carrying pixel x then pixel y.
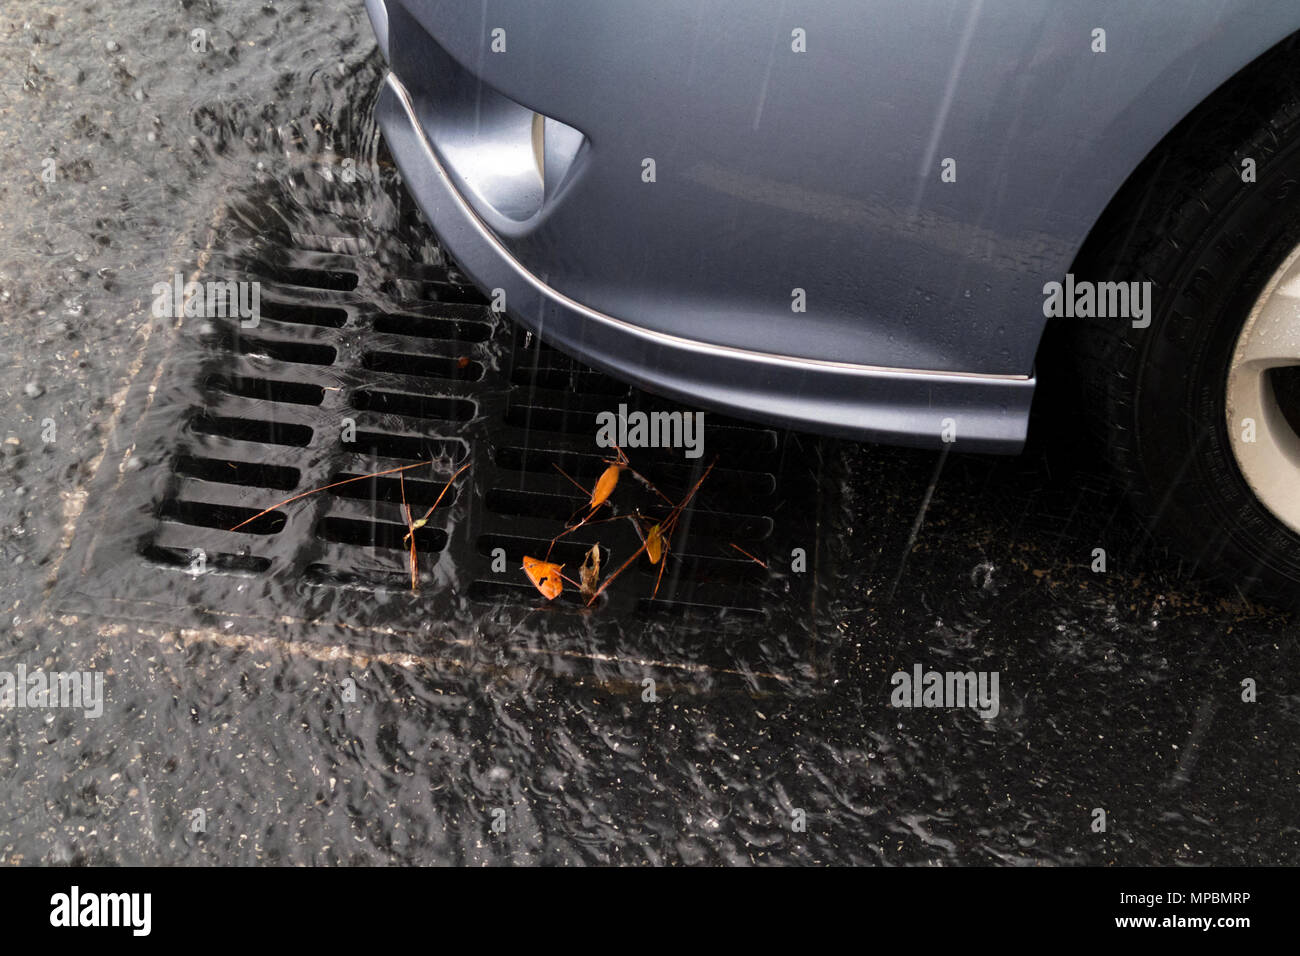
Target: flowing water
{"type": "Point", "coordinates": [275, 717]}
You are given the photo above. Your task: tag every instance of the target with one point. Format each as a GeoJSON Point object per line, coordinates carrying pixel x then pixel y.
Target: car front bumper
{"type": "Point", "coordinates": [899, 406]}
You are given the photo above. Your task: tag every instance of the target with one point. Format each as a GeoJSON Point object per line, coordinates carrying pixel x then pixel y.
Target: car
{"type": "Point", "coordinates": [865, 218]}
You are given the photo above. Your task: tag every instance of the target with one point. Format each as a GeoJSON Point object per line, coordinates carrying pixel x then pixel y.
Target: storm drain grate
{"type": "Point", "coordinates": [365, 362]}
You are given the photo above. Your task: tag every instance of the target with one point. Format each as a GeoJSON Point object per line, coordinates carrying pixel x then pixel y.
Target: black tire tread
{"type": "Point", "coordinates": [1163, 212]}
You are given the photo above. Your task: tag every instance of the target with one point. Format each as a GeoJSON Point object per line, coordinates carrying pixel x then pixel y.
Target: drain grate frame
{"type": "Point", "coordinates": [227, 421]}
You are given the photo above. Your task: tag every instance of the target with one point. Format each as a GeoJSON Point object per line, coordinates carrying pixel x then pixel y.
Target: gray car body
{"type": "Point", "coordinates": [777, 170]}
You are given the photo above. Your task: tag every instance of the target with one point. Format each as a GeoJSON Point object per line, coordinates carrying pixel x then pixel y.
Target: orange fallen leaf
{"type": "Point", "coordinates": [545, 576]}
{"type": "Point", "coordinates": [654, 544]}
{"type": "Point", "coordinates": [605, 486]}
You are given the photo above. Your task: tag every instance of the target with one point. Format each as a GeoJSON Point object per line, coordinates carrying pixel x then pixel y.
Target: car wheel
{"type": "Point", "coordinates": [1199, 411]}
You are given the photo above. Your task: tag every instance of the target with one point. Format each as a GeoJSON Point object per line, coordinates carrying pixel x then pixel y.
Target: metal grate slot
{"type": "Point", "coordinates": [388, 448]}
{"type": "Point", "coordinates": [561, 379]}
{"type": "Point", "coordinates": [256, 474]}
{"type": "Point", "coordinates": [424, 366]}
{"type": "Point", "coordinates": [748, 485]}
{"type": "Point", "coordinates": [380, 534]}
{"type": "Point", "coordinates": [439, 407]}
{"type": "Point", "coordinates": [241, 564]}
{"type": "Point", "coordinates": [267, 390]}
{"type": "Point", "coordinates": [431, 291]}
{"type": "Point", "coordinates": [418, 492]}
{"type": "Point", "coordinates": [431, 327]}
{"type": "Point", "coordinates": [206, 515]}
{"type": "Point", "coordinates": [250, 430]}
{"type": "Point", "coordinates": [331, 280]}
{"type": "Point", "coordinates": [301, 353]}
{"type": "Point", "coordinates": [299, 314]}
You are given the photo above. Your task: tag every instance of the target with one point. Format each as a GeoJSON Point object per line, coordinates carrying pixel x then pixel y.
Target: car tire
{"type": "Point", "coordinates": [1177, 403]}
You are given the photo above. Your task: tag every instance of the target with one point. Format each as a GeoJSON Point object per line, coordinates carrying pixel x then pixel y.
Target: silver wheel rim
{"type": "Point", "coordinates": [1269, 339]}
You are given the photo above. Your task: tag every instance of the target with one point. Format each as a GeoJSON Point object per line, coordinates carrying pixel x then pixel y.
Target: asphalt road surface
{"type": "Point", "coordinates": [1139, 717]}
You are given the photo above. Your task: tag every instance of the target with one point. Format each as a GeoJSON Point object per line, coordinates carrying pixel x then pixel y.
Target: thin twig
{"type": "Point", "coordinates": [346, 481]}
{"type": "Point", "coordinates": [748, 555]}
{"type": "Point", "coordinates": [410, 533]}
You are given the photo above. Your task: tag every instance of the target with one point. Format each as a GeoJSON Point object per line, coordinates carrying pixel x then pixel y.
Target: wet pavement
{"type": "Point", "coordinates": [256, 724]}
